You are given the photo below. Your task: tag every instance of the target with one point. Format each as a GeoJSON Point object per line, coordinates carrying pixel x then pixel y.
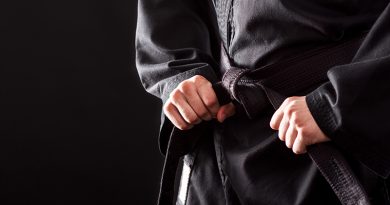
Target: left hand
{"type": "Point", "coordinates": [296, 125]}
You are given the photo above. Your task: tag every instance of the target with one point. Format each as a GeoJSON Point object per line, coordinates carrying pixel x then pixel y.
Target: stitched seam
{"type": "Point", "coordinates": [231, 23]}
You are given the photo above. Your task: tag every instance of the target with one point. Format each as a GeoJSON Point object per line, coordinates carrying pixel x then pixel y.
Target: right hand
{"type": "Point", "coordinates": [193, 101]}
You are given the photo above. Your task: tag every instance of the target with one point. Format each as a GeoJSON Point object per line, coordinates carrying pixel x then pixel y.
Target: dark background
{"type": "Point", "coordinates": [76, 126]}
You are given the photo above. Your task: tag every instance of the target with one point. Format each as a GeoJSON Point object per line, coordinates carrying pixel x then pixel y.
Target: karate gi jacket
{"type": "Point", "coordinates": [242, 161]}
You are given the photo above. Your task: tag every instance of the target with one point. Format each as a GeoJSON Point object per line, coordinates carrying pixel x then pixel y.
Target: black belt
{"type": "Point", "coordinates": [254, 90]}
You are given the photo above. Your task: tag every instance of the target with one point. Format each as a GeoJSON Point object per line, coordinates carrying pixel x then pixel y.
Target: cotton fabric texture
{"type": "Point", "coordinates": [242, 161]}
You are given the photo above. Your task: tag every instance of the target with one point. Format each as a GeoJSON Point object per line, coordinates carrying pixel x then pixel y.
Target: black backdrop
{"type": "Point", "coordinates": [76, 126]}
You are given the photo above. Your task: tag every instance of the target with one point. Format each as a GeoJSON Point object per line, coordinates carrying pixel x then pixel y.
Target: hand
{"type": "Point", "coordinates": [193, 101]}
{"type": "Point", "coordinates": [296, 125]}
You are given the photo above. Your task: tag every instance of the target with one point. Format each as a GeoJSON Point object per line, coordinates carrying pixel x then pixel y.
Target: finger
{"type": "Point", "coordinates": [276, 119]}
{"type": "Point", "coordinates": [291, 135]}
{"type": "Point", "coordinates": [209, 98]}
{"type": "Point", "coordinates": [299, 146]}
{"type": "Point", "coordinates": [284, 124]}
{"type": "Point", "coordinates": [184, 108]}
{"type": "Point", "coordinates": [225, 112]}
{"type": "Point", "coordinates": [196, 103]}
{"type": "Point", "coordinates": [174, 116]}
{"type": "Point", "coordinates": [278, 115]}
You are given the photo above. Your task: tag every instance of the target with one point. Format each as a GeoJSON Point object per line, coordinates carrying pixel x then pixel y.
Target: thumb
{"type": "Point", "coordinates": [225, 112]}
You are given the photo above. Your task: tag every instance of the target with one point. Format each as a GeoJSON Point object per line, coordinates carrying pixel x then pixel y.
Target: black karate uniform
{"type": "Point", "coordinates": [242, 161]}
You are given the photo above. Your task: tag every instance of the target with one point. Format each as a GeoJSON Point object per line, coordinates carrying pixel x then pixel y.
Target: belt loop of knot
{"type": "Point", "coordinates": [230, 80]}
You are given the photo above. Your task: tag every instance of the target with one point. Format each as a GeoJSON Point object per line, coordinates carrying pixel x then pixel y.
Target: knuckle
{"type": "Point", "coordinates": [185, 86]}
{"type": "Point", "coordinates": [202, 82]}
{"type": "Point", "coordinates": [181, 84]}
{"type": "Point", "coordinates": [168, 107]}
{"type": "Point", "coordinates": [175, 96]}
{"type": "Point", "coordinates": [294, 118]}
{"type": "Point", "coordinates": [299, 124]}
{"type": "Point", "coordinates": [291, 107]}
{"type": "Point", "coordinates": [293, 103]}
{"type": "Point", "coordinates": [198, 78]}
{"type": "Point", "coordinates": [210, 102]}
{"type": "Point", "coordinates": [293, 98]}
{"type": "Point", "coordinates": [208, 84]}
{"type": "Point", "coordinates": [192, 119]}
{"type": "Point", "coordinates": [173, 93]}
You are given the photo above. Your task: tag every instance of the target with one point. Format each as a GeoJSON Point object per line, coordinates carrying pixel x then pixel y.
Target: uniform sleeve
{"type": "Point", "coordinates": [172, 44]}
{"type": "Point", "coordinates": [353, 108]}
